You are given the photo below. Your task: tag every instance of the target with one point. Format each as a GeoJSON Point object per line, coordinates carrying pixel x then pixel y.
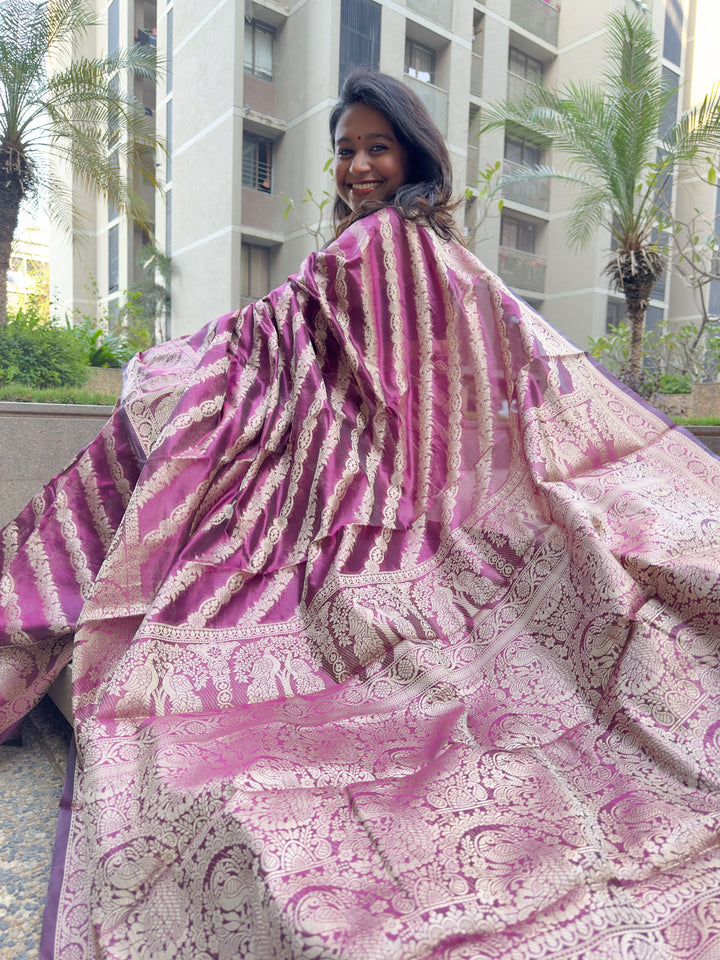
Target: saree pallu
{"type": "Point", "coordinates": [396, 627]}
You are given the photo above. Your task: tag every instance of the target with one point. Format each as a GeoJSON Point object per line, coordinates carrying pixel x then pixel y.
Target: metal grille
{"type": "Point", "coordinates": [257, 163]}
{"type": "Point", "coordinates": [359, 36]}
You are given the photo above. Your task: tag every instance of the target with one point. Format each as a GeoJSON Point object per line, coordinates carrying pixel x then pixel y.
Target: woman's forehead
{"type": "Point", "coordinates": [360, 122]}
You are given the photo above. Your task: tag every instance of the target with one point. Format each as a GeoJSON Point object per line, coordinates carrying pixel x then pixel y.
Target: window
{"type": "Point", "coordinates": [672, 40]}
{"type": "Point", "coordinates": [113, 113]}
{"type": "Point", "coordinates": [523, 65]}
{"type": "Point", "coordinates": [113, 309]}
{"type": "Point", "coordinates": [254, 271]}
{"type": "Point", "coordinates": [169, 50]}
{"type": "Point", "coordinates": [359, 35]}
{"type": "Point", "coordinates": [168, 223]}
{"type": "Point", "coordinates": [522, 151]}
{"type": "Point", "coordinates": [517, 234]}
{"type": "Point", "coordinates": [615, 313]}
{"type": "Point", "coordinates": [168, 140]}
{"type": "Point", "coordinates": [113, 27]}
{"type": "Point", "coordinates": [113, 258]}
{"type": "Point", "coordinates": [419, 61]}
{"type": "Point", "coordinates": [654, 317]}
{"type": "Point", "coordinates": [257, 163]}
{"type": "Point", "coordinates": [259, 42]}
{"type": "Point", "coordinates": [114, 165]}
{"type": "Point", "coordinates": [670, 111]}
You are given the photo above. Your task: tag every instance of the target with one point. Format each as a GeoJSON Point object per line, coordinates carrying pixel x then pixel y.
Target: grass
{"type": "Point", "coordinates": [21, 394]}
{"type": "Point", "coordinates": [697, 421]}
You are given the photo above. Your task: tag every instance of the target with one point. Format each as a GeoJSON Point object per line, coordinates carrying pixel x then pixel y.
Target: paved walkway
{"type": "Point", "coordinates": [31, 779]}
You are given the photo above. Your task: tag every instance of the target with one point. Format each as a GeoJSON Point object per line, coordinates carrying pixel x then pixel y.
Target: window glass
{"type": "Point", "coordinates": [254, 271]}
{"type": "Point", "coordinates": [359, 35]}
{"type": "Point", "coordinates": [113, 27]}
{"type": "Point", "coordinates": [517, 234]}
{"type": "Point", "coordinates": [672, 40]}
{"type": "Point", "coordinates": [113, 258]}
{"type": "Point", "coordinates": [523, 65]}
{"type": "Point", "coordinates": [615, 314]}
{"type": "Point", "coordinates": [114, 164]}
{"type": "Point", "coordinates": [520, 151]}
{"type": "Point", "coordinates": [168, 223]}
{"type": "Point", "coordinates": [419, 61]}
{"type": "Point", "coordinates": [257, 163]}
{"type": "Point", "coordinates": [168, 138]}
{"type": "Point", "coordinates": [670, 111]}
{"type": "Point", "coordinates": [258, 52]}
{"type": "Point", "coordinates": [263, 53]}
{"type": "Point", "coordinates": [169, 50]}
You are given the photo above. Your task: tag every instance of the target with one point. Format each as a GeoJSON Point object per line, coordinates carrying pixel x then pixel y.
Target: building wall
{"type": "Point", "coordinates": [216, 107]}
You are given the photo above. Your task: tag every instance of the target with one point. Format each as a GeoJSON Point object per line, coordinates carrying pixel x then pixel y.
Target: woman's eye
{"type": "Point", "coordinates": [343, 152]}
{"type": "Point", "coordinates": [378, 147]}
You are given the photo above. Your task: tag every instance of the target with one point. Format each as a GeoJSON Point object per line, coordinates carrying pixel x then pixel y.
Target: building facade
{"type": "Point", "coordinates": [244, 105]}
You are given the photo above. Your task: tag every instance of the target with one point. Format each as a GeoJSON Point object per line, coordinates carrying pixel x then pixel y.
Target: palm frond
{"type": "Point", "coordinates": [589, 211]}
{"type": "Point", "coordinates": [698, 128]}
{"type": "Point", "coordinates": [631, 54]}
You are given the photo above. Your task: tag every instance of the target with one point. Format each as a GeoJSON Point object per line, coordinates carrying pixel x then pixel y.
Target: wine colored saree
{"type": "Point", "coordinates": [396, 628]}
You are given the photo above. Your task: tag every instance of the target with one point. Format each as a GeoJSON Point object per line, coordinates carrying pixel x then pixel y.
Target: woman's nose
{"type": "Point", "coordinates": [360, 161]}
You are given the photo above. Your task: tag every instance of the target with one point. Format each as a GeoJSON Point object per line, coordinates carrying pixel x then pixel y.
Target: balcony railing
{"type": "Point", "coordinates": [473, 163]}
{"type": "Point", "coordinates": [435, 99]}
{"type": "Point", "coordinates": [517, 87]}
{"type": "Point", "coordinates": [522, 271]}
{"type": "Point", "coordinates": [533, 193]}
{"type": "Point", "coordinates": [438, 10]}
{"type": "Point", "coordinates": [537, 17]}
{"type": "Point", "coordinates": [476, 78]}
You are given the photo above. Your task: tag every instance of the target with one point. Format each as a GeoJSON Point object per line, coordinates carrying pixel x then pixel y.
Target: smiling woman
{"type": "Point", "coordinates": [370, 163]}
{"type": "Point", "coordinates": [387, 148]}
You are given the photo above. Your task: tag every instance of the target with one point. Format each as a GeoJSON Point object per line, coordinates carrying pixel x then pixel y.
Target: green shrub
{"type": "Point", "coordinates": [40, 355]}
{"type": "Point", "coordinates": [670, 383]}
{"type": "Point", "coordinates": [102, 349]}
{"type": "Point", "coordinates": [673, 359]}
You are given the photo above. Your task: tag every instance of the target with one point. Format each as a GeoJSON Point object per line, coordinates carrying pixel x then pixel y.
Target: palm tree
{"type": "Point", "coordinates": [74, 111]}
{"type": "Point", "coordinates": [622, 155]}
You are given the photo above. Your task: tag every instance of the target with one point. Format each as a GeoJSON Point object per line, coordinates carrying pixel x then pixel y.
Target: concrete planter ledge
{"type": "Point", "coordinates": [37, 441]}
{"type": "Point", "coordinates": [709, 435]}
{"type": "Point", "coordinates": [9, 408]}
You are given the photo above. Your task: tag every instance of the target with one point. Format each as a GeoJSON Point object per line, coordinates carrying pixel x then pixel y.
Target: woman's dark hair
{"type": "Point", "coordinates": [427, 195]}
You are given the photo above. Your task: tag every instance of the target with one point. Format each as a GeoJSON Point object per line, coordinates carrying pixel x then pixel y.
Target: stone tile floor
{"type": "Point", "coordinates": [31, 779]}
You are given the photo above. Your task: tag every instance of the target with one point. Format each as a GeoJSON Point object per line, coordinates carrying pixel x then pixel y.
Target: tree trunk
{"type": "Point", "coordinates": [635, 273]}
{"type": "Point", "coordinates": [5, 246]}
{"type": "Point", "coordinates": [10, 197]}
{"type": "Point", "coordinates": [636, 310]}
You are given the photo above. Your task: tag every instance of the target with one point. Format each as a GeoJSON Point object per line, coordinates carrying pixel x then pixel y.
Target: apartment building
{"type": "Point", "coordinates": [244, 105]}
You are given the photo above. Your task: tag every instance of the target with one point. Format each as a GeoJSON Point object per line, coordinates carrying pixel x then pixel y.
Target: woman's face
{"type": "Point", "coordinates": [370, 163]}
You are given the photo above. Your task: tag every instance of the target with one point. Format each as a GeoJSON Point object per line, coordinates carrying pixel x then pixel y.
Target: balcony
{"type": "Point", "coordinates": [438, 10]}
{"type": "Point", "coordinates": [518, 87]}
{"type": "Point", "coordinates": [537, 17]}
{"type": "Point", "coordinates": [473, 164]}
{"type": "Point", "coordinates": [435, 99]}
{"type": "Point", "coordinates": [532, 193]}
{"type": "Point", "coordinates": [263, 215]}
{"type": "Point", "coordinates": [522, 271]}
{"type": "Point", "coordinates": [476, 75]}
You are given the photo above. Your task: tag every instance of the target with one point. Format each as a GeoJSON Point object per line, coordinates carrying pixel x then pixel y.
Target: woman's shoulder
{"type": "Point", "coordinates": [380, 226]}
